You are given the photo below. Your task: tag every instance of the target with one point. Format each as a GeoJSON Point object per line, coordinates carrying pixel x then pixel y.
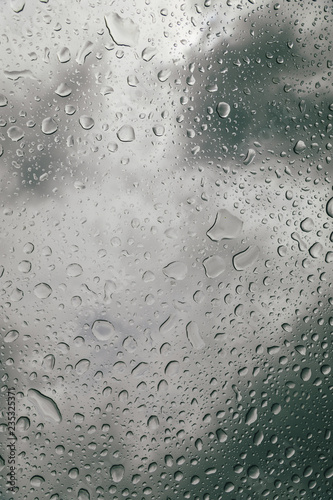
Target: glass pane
{"type": "Point", "coordinates": [166, 249]}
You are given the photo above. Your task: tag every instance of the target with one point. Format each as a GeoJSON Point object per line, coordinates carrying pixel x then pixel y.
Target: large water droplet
{"type": "Point", "coordinates": [86, 122]}
{"type": "Point", "coordinates": [3, 100]}
{"type": "Point", "coordinates": [258, 438]}
{"type": "Point", "coordinates": [130, 344]}
{"type": "Point", "coordinates": [83, 494]}
{"type": "Point", "coordinates": [122, 30]}
{"type": "Point", "coordinates": [23, 424]}
{"type": "Point", "coordinates": [221, 435]}
{"type": "Point", "coordinates": [45, 406]}
{"type": "Point", "coordinates": [299, 147]}
{"type": "Point", "coordinates": [84, 51]}
{"type": "Point", "coordinates": [316, 250]}
{"type": "Point", "coordinates": [74, 270]}
{"type": "Point", "coordinates": [226, 226]}
{"type": "Point", "coordinates": [246, 258]}
{"type": "Point", "coordinates": [49, 126]}
{"type": "Point", "coordinates": [42, 290]}
{"type": "Point", "coordinates": [15, 133]}
{"type": "Point", "coordinates": [223, 109]}
{"type": "Point", "coordinates": [249, 157]}
{"type": "Point", "coordinates": [329, 207]}
{"type": "Point", "coordinates": [253, 472]}
{"type": "Point", "coordinates": [64, 55]}
{"type": "Point", "coordinates": [153, 422]}
{"type": "Point", "coordinates": [175, 270]}
{"type": "Point", "coordinates": [63, 90]}
{"type": "Point", "coordinates": [11, 336]}
{"type": "Point", "coordinates": [214, 266]}
{"type": "Point", "coordinates": [126, 133]}
{"type": "Point", "coordinates": [251, 416]}
{"type": "Point", "coordinates": [82, 366]}
{"type": "Point", "coordinates": [163, 75]}
{"type": "Point", "coordinates": [307, 225]}
{"type": "Point", "coordinates": [117, 473]}
{"type": "Point", "coordinates": [17, 5]}
{"type": "Point", "coordinates": [193, 335]}
{"type": "Point", "coordinates": [103, 329]}
{"type": "Point", "coordinates": [172, 368]}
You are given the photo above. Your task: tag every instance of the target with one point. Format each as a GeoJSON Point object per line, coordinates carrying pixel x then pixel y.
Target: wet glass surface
{"type": "Point", "coordinates": [166, 249]}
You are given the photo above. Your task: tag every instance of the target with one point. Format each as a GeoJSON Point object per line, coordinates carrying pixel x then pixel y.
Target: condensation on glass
{"type": "Point", "coordinates": [166, 249]}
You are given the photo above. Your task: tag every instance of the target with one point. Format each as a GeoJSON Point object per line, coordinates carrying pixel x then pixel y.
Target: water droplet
{"type": "Point", "coordinates": [49, 126]}
{"type": "Point", "coordinates": [24, 266]}
{"type": "Point", "coordinates": [148, 53]}
{"type": "Point", "coordinates": [306, 374]}
{"type": "Point", "coordinates": [329, 207]}
{"type": "Point", "coordinates": [123, 31]}
{"type": "Point", "coordinates": [16, 295]}
{"type": "Point", "coordinates": [299, 147]}
{"type": "Point", "coordinates": [11, 336]}
{"type": "Point", "coordinates": [37, 481]}
{"type": "Point", "coordinates": [86, 122]}
{"type": "Point", "coordinates": [49, 362]}
{"type": "Point", "coordinates": [228, 487]}
{"type": "Point", "coordinates": [221, 435]}
{"type": "Point", "coordinates": [83, 494]}
{"type": "Point", "coordinates": [73, 473]}
{"type": "Point", "coordinates": [253, 472]}
{"type": "Point", "coordinates": [15, 75]}
{"type": "Point", "coordinates": [140, 369]}
{"type": "Point", "coordinates": [63, 90]}
{"type": "Point", "coordinates": [130, 344]}
{"type": "Point", "coordinates": [159, 130]}
{"type": "Point", "coordinates": [175, 270]}
{"type": "Point", "coordinates": [23, 424]}
{"type": "Point", "coordinates": [258, 438]}
{"type": "Point", "coordinates": [74, 270]}
{"type": "Point", "coordinates": [3, 100]}
{"type": "Point", "coordinates": [153, 423]}
{"type": "Point", "coordinates": [249, 157]}
{"type": "Point", "coordinates": [163, 75]}
{"type": "Point", "coordinates": [328, 472]}
{"type": "Point", "coordinates": [103, 329]}
{"type": "Point", "coordinates": [84, 52]}
{"type": "Point", "coordinates": [45, 406]}
{"type": "Point", "coordinates": [226, 226]}
{"type": "Point", "coordinates": [172, 368]}
{"type": "Point", "coordinates": [117, 473]}
{"type": "Point", "coordinates": [17, 5]}
{"type": "Point", "coordinates": [82, 366]}
{"type": "Point", "coordinates": [126, 133]}
{"type": "Point", "coordinates": [64, 55]}
{"type": "Point", "coordinates": [251, 416]}
{"type": "Point", "coordinates": [193, 335]}
{"type": "Point", "coordinates": [316, 250]}
{"type": "Point", "coordinates": [42, 290]}
{"type": "Point", "coordinates": [307, 225]}
{"type": "Point", "coordinates": [214, 266]}
{"type": "Point", "coordinates": [245, 258]}
{"type": "Point", "coordinates": [223, 109]}
{"type": "Point", "coordinates": [168, 325]}
{"type": "Point", "coordinates": [15, 133]}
